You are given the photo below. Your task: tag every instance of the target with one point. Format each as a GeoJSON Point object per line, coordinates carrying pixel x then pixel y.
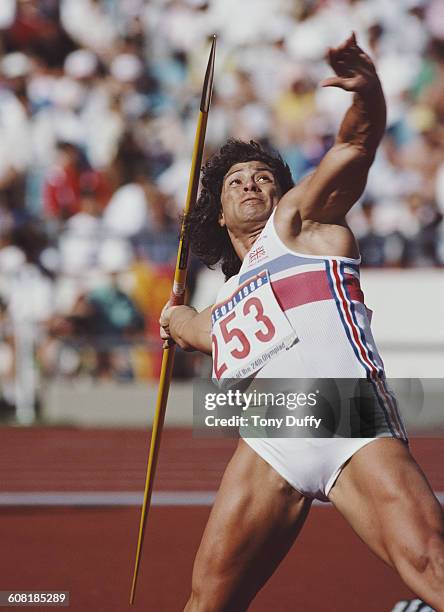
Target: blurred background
{"type": "Point", "coordinates": [98, 107]}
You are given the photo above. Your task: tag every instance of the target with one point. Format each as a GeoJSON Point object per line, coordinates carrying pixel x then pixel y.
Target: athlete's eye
{"type": "Point", "coordinates": [235, 181]}
{"type": "Point", "coordinates": [264, 177]}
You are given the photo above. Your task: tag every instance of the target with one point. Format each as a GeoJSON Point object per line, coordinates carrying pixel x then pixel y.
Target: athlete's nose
{"type": "Point", "coordinates": [250, 185]}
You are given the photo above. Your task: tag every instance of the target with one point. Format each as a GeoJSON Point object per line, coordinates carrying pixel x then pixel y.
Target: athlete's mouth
{"type": "Point", "coordinates": [251, 199]}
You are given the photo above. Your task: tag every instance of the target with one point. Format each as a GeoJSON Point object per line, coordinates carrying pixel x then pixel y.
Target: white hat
{"type": "Point", "coordinates": [12, 258]}
{"type": "Point", "coordinates": [15, 65]}
{"type": "Point", "coordinates": [67, 93]}
{"type": "Point", "coordinates": [80, 64]}
{"type": "Point", "coordinates": [126, 67]}
{"type": "Point", "coordinates": [115, 255]}
{"type": "Point", "coordinates": [50, 259]}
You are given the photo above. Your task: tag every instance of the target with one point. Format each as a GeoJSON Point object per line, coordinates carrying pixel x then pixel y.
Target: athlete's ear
{"type": "Point", "coordinates": [221, 219]}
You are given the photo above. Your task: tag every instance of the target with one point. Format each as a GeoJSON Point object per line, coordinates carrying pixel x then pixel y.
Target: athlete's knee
{"type": "Point", "coordinates": [435, 558]}
{"type": "Point", "coordinates": [218, 589]}
{"type": "Point", "coordinates": [426, 558]}
{"type": "Point", "coordinates": [204, 598]}
{"type": "Point", "coordinates": [196, 603]}
{"type": "Point", "coordinates": [205, 585]}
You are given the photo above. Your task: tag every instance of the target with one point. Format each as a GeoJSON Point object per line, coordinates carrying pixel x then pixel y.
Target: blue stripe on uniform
{"type": "Point", "coordinates": [355, 321]}
{"type": "Point", "coordinates": [331, 281]}
{"type": "Point", "coordinates": [395, 409]}
{"type": "Point", "coordinates": [371, 357]}
{"type": "Point", "coordinates": [356, 350]}
{"type": "Point", "coordinates": [279, 264]}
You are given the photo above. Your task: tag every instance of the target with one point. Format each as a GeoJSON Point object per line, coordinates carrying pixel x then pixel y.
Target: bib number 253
{"type": "Point", "coordinates": [264, 332]}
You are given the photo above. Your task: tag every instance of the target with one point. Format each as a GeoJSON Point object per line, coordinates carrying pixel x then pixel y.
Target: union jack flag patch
{"type": "Point", "coordinates": [256, 254]}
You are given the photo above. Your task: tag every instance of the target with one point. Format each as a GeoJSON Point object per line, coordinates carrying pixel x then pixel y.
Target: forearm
{"type": "Point", "coordinates": [180, 326]}
{"type": "Point", "coordinates": [364, 123]}
{"type": "Point", "coordinates": [190, 329]}
{"type": "Point", "coordinates": [340, 178]}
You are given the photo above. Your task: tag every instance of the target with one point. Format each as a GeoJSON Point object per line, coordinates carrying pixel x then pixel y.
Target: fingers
{"type": "Point", "coordinates": [348, 46]}
{"type": "Point", "coordinates": [348, 54]}
{"type": "Point", "coordinates": [165, 336]}
{"type": "Point", "coordinates": [164, 321]}
{"type": "Point", "coordinates": [333, 59]}
{"type": "Point", "coordinates": [350, 64]}
{"type": "Point", "coordinates": [348, 43]}
{"type": "Point", "coordinates": [366, 60]}
{"type": "Point", "coordinates": [354, 69]}
{"type": "Point", "coordinates": [343, 83]}
{"type": "Point", "coordinates": [165, 314]}
{"type": "Point", "coordinates": [341, 62]}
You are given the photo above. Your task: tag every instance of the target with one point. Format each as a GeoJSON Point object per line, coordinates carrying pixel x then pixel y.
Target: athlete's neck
{"type": "Point", "coordinates": [243, 241]}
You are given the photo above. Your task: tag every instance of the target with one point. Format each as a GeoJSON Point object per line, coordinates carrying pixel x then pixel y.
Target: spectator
{"type": "Point", "coordinates": [36, 29]}
{"type": "Point", "coordinates": [371, 243]}
{"type": "Point", "coordinates": [130, 210]}
{"type": "Point", "coordinates": [80, 242]}
{"type": "Point", "coordinates": [421, 232]}
{"type": "Point", "coordinates": [70, 173]}
{"type": "Point", "coordinates": [107, 319]}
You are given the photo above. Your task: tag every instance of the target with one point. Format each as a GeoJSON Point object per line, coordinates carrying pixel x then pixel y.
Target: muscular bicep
{"type": "Point", "coordinates": [326, 195]}
{"type": "Point", "coordinates": [336, 184]}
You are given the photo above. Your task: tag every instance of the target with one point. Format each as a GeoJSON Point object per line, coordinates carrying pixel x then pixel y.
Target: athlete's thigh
{"type": "Point", "coordinates": [254, 521]}
{"type": "Point", "coordinates": [386, 498]}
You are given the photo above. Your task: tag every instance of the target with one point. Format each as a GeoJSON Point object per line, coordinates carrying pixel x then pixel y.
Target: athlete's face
{"type": "Point", "coordinates": [249, 193]}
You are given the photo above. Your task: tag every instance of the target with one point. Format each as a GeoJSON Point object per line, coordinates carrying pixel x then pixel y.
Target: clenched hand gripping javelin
{"type": "Point", "coordinates": [177, 298]}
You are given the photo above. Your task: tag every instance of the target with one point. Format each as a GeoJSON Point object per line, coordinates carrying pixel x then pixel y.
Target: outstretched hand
{"type": "Point", "coordinates": [354, 69]}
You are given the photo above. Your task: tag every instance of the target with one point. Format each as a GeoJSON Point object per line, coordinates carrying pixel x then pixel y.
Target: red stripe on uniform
{"type": "Point", "coordinates": [353, 288]}
{"type": "Point", "coordinates": [392, 407]}
{"type": "Point", "coordinates": [301, 289]}
{"type": "Point", "coordinates": [340, 291]}
{"type": "Point", "coordinates": [307, 287]}
{"type": "Point", "coordinates": [396, 423]}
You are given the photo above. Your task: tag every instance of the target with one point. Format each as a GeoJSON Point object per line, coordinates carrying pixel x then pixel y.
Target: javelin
{"type": "Point", "coordinates": [177, 298]}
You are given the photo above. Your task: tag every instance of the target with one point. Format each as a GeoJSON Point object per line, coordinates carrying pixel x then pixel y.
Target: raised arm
{"type": "Point", "coordinates": [191, 330]}
{"type": "Point", "coordinates": [327, 195]}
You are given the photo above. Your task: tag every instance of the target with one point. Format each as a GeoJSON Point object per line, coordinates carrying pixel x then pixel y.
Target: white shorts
{"type": "Point", "coordinates": [310, 465]}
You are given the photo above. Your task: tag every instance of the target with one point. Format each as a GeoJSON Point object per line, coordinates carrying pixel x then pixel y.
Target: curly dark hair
{"type": "Point", "coordinates": [208, 240]}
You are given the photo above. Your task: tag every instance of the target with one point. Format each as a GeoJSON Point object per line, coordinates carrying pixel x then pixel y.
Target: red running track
{"type": "Point", "coordinates": [90, 551]}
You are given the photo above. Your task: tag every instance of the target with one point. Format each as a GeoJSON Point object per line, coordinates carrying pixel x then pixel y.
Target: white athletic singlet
{"type": "Point", "coordinates": [322, 301]}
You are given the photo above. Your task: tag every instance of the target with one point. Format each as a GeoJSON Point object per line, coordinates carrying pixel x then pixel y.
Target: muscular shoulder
{"type": "Point", "coordinates": [287, 218]}
{"type": "Point", "coordinates": [311, 237]}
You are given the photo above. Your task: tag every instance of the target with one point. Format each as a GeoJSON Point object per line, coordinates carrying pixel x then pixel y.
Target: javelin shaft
{"type": "Point", "coordinates": [156, 435]}
{"type": "Point", "coordinates": [182, 253]}
{"type": "Point", "coordinates": [177, 298]}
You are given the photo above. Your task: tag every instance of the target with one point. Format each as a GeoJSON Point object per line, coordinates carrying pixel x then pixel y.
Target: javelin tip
{"type": "Point", "coordinates": [208, 82]}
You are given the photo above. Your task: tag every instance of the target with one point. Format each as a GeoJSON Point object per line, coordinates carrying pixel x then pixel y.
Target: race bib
{"type": "Point", "coordinates": [248, 329]}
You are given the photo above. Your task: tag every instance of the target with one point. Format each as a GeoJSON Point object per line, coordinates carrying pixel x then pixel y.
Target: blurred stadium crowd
{"type": "Point", "coordinates": [98, 104]}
